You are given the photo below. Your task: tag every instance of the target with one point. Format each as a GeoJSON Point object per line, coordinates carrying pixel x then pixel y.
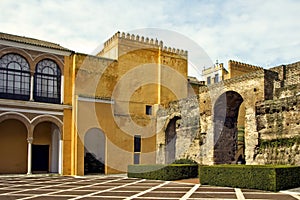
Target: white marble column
{"type": "Point", "coordinates": [62, 90]}
{"type": "Point", "coordinates": [60, 158]}
{"type": "Point", "coordinates": [29, 156]}
{"type": "Point", "coordinates": [31, 88]}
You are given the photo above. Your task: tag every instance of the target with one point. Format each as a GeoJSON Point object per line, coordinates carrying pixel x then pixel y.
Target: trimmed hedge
{"type": "Point", "coordinates": [263, 177]}
{"type": "Point", "coordinates": [163, 172]}
{"type": "Point", "coordinates": [185, 161]}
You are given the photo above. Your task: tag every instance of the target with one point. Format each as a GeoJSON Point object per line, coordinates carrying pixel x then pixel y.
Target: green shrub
{"type": "Point", "coordinates": [185, 161]}
{"type": "Point", "coordinates": [263, 177]}
{"type": "Point", "coordinates": [163, 172]}
{"type": "Point", "coordinates": [287, 177]}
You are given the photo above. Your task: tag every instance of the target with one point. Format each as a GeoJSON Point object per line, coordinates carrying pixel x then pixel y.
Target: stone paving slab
{"type": "Point", "coordinates": [121, 187]}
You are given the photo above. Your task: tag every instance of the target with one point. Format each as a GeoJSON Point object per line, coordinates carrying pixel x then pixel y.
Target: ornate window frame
{"type": "Point", "coordinates": [47, 82]}
{"type": "Point", "coordinates": [14, 77]}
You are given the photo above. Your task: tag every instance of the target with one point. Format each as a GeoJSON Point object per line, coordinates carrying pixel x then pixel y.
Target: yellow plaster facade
{"type": "Point", "coordinates": [81, 114]}
{"type": "Point", "coordinates": [118, 96]}
{"type": "Point", "coordinates": [104, 113]}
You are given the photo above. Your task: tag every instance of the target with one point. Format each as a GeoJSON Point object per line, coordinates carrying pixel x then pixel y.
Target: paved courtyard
{"type": "Point", "coordinates": [121, 187]}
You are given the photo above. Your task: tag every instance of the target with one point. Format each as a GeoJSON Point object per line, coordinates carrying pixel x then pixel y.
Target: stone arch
{"type": "Point", "coordinates": [171, 137]}
{"type": "Point", "coordinates": [18, 116]}
{"type": "Point", "coordinates": [47, 144]}
{"type": "Point", "coordinates": [225, 119]}
{"type": "Point", "coordinates": [14, 129]}
{"type": "Point", "coordinates": [21, 52]}
{"type": "Point", "coordinates": [173, 115]}
{"type": "Point", "coordinates": [94, 151]}
{"type": "Point", "coordinates": [54, 58]}
{"type": "Point", "coordinates": [240, 155]}
{"type": "Point", "coordinates": [47, 118]}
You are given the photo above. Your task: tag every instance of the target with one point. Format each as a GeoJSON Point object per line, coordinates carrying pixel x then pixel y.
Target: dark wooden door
{"type": "Point", "coordinates": [40, 158]}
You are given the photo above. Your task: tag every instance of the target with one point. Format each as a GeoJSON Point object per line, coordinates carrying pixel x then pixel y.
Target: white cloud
{"type": "Point", "coordinates": [263, 33]}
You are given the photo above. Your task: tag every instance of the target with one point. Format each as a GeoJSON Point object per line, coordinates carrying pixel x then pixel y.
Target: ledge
{"type": "Point", "coordinates": [34, 105]}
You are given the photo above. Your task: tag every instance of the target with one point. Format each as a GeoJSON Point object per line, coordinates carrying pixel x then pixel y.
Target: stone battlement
{"type": "Point", "coordinates": [149, 42]}
{"type": "Point", "coordinates": [237, 64]}
{"type": "Point", "coordinates": [132, 37]}
{"type": "Point", "coordinates": [237, 68]}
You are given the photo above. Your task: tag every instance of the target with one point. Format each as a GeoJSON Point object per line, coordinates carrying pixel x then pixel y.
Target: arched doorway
{"type": "Point", "coordinates": [94, 151]}
{"type": "Point", "coordinates": [13, 147]}
{"type": "Point", "coordinates": [46, 148]}
{"type": "Point", "coordinates": [226, 113]}
{"type": "Point", "coordinates": [170, 142]}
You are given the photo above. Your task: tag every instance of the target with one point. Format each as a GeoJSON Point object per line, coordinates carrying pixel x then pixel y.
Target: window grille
{"type": "Point", "coordinates": [14, 77]}
{"type": "Point", "coordinates": [47, 84]}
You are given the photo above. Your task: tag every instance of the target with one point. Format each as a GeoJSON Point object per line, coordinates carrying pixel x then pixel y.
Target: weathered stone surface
{"type": "Point", "coordinates": [268, 117]}
{"type": "Point", "coordinates": [187, 126]}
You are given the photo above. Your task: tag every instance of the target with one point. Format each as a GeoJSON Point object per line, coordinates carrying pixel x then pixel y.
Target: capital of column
{"type": "Point", "coordinates": [30, 140]}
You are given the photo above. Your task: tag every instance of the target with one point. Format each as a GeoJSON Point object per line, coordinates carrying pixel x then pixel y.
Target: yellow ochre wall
{"type": "Point", "coordinates": [121, 94]}
{"type": "Point", "coordinates": [119, 143]}
{"type": "Point", "coordinates": [13, 147]}
{"type": "Point", "coordinates": [99, 115]}
{"type": "Point", "coordinates": [68, 119]}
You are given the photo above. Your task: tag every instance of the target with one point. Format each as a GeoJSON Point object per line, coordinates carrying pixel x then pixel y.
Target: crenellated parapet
{"type": "Point", "coordinates": [141, 41]}
{"type": "Point", "coordinates": [175, 51]}
{"type": "Point", "coordinates": [132, 37]}
{"type": "Point", "coordinates": [238, 68]}
{"type": "Point", "coordinates": [241, 65]}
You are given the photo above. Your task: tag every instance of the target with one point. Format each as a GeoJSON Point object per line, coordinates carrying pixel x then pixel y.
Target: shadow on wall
{"type": "Point", "coordinates": [92, 165]}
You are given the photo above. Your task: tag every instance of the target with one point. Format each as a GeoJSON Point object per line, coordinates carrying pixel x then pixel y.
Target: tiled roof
{"type": "Point", "coordinates": [31, 41]}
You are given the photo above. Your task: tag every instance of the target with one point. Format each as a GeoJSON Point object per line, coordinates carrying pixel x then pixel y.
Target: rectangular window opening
{"type": "Point", "coordinates": [137, 143]}
{"type": "Point", "coordinates": [216, 78]}
{"type": "Point", "coordinates": [148, 110]}
{"type": "Point", "coordinates": [137, 149]}
{"type": "Point", "coordinates": [208, 80]}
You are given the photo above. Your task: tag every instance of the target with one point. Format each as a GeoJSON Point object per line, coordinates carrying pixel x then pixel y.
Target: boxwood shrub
{"type": "Point", "coordinates": [263, 177]}
{"type": "Point", "coordinates": [185, 161]}
{"type": "Point", "coordinates": [163, 172]}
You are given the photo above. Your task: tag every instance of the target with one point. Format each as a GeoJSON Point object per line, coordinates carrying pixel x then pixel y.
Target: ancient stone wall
{"type": "Point", "coordinates": [288, 80]}
{"type": "Point", "coordinates": [278, 125]}
{"type": "Point", "coordinates": [251, 88]}
{"type": "Point", "coordinates": [237, 68]}
{"type": "Point", "coordinates": [268, 120]}
{"type": "Point", "coordinates": [187, 128]}
{"type": "Point", "coordinates": [198, 131]}
{"type": "Point", "coordinates": [269, 84]}
{"type": "Point", "coordinates": [289, 74]}
{"type": "Point", "coordinates": [278, 120]}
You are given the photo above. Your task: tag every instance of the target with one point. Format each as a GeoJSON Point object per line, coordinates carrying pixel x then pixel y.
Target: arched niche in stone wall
{"type": "Point", "coordinates": [225, 119]}
{"type": "Point", "coordinates": [170, 140]}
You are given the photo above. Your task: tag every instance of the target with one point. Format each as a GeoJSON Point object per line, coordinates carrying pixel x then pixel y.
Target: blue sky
{"type": "Point", "coordinates": [264, 33]}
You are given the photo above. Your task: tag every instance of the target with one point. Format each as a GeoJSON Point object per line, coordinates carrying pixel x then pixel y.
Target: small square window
{"type": "Point", "coordinates": [148, 110]}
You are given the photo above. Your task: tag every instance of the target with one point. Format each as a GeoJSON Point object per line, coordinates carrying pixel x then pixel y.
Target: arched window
{"type": "Point", "coordinates": [14, 77]}
{"type": "Point", "coordinates": [47, 82]}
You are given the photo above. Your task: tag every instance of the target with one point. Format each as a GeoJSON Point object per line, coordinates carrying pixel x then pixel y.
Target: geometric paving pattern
{"type": "Point", "coordinates": [120, 187]}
